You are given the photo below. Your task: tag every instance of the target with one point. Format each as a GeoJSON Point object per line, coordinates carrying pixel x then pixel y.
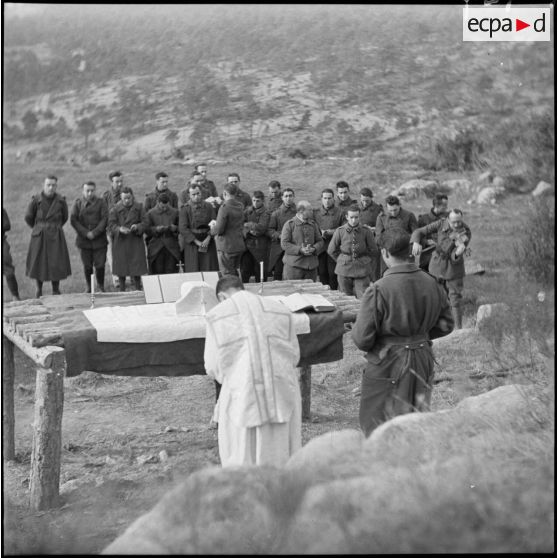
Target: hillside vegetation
{"type": "Point", "coordinates": [262, 83]}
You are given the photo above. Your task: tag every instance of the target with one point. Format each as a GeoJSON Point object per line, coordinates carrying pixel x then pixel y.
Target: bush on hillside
{"type": "Point", "coordinates": [534, 251]}
{"type": "Point", "coordinates": [463, 152]}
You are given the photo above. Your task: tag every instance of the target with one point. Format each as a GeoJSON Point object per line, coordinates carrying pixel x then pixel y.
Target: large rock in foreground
{"type": "Point", "coordinates": [440, 482]}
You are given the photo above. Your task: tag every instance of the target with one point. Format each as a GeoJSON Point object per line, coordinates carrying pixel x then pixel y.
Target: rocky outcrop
{"type": "Point", "coordinates": [342, 493]}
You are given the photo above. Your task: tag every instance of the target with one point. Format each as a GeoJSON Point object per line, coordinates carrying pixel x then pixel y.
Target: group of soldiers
{"type": "Point", "coordinates": [236, 233]}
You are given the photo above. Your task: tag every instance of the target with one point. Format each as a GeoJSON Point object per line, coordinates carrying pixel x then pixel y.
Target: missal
{"type": "Point", "coordinates": [308, 301]}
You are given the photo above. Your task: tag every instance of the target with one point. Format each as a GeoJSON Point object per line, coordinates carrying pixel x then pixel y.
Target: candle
{"type": "Point", "coordinates": [92, 284]}
{"type": "Point", "coordinates": [261, 272]}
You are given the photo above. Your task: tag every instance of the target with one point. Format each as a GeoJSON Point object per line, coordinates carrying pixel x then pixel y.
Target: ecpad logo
{"type": "Point", "coordinates": [506, 24]}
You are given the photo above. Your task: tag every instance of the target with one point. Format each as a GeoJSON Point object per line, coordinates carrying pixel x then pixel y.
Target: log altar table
{"type": "Point", "coordinates": [54, 333]}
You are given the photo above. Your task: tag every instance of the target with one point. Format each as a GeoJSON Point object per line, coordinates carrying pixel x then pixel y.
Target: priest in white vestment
{"type": "Point", "coordinates": [251, 348]}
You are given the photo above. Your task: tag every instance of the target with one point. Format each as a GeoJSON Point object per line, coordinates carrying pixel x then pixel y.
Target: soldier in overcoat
{"type": "Point", "coordinates": [48, 258]}
{"type": "Point", "coordinates": [328, 217]}
{"type": "Point", "coordinates": [302, 241]}
{"type": "Point", "coordinates": [276, 222]}
{"type": "Point", "coordinates": [126, 227]}
{"type": "Point", "coordinates": [200, 253]}
{"type": "Point", "coordinates": [369, 213]}
{"type": "Point", "coordinates": [89, 217]}
{"type": "Point", "coordinates": [161, 223]}
{"type": "Point", "coordinates": [399, 316]}
{"type": "Point", "coordinates": [257, 242]}
{"type": "Point", "coordinates": [228, 231]}
{"type": "Point", "coordinates": [8, 269]}
{"type": "Point", "coordinates": [112, 197]}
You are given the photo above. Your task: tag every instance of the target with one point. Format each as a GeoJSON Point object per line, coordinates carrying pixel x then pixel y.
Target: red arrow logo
{"type": "Point", "coordinates": [519, 25]}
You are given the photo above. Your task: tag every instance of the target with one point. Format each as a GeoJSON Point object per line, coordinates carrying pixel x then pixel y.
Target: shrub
{"type": "Point", "coordinates": [534, 251]}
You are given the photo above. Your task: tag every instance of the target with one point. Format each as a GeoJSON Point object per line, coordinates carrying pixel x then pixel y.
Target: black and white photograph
{"type": "Point", "coordinates": [278, 278]}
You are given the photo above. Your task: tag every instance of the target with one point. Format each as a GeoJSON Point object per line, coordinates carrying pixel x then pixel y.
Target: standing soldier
{"type": "Point", "coordinates": [194, 217]}
{"type": "Point", "coordinates": [112, 197]}
{"type": "Point", "coordinates": [329, 217]}
{"type": "Point", "coordinates": [302, 241]}
{"type": "Point", "coordinates": [278, 218]}
{"type": "Point", "coordinates": [241, 195]}
{"type": "Point", "coordinates": [48, 258]}
{"type": "Point", "coordinates": [228, 232]}
{"type": "Point", "coordinates": [89, 218]}
{"type": "Point", "coordinates": [125, 226]}
{"type": "Point", "coordinates": [354, 249]}
{"type": "Point", "coordinates": [162, 186]}
{"type": "Point", "coordinates": [439, 211]}
{"type": "Point", "coordinates": [274, 200]}
{"type": "Point", "coordinates": [394, 217]}
{"type": "Point", "coordinates": [344, 200]}
{"type": "Point", "coordinates": [257, 242]}
{"type": "Point", "coordinates": [206, 184]}
{"type": "Point", "coordinates": [161, 222]}
{"type": "Point", "coordinates": [369, 212]}
{"type": "Point", "coordinates": [8, 269]}
{"type": "Point", "coordinates": [447, 263]}
{"type": "Point", "coordinates": [399, 316]}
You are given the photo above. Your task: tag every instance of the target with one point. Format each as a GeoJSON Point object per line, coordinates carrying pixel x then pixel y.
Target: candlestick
{"type": "Point", "coordinates": [92, 290]}
{"type": "Point", "coordinates": [261, 277]}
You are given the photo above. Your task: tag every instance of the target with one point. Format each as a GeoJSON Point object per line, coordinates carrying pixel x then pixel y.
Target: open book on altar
{"type": "Point", "coordinates": [306, 301]}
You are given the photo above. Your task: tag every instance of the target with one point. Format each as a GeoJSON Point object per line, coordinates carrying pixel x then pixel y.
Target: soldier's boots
{"type": "Point", "coordinates": [39, 291]}
{"type": "Point", "coordinates": [122, 284]}
{"type": "Point", "coordinates": [12, 286]}
{"type": "Point", "coordinates": [100, 276]}
{"type": "Point", "coordinates": [56, 288]}
{"type": "Point", "coordinates": [137, 282]}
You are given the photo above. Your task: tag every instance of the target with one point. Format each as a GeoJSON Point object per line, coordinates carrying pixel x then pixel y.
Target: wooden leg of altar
{"type": "Point", "coordinates": [8, 420]}
{"type": "Point", "coordinates": [305, 391]}
{"type": "Point", "coordinates": [47, 439]}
